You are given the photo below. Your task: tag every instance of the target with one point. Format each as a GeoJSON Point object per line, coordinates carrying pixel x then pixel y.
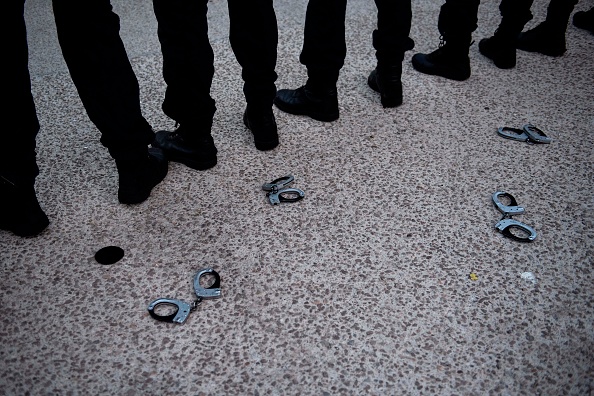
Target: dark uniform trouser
{"type": "Point", "coordinates": [88, 32]}
{"type": "Point", "coordinates": [324, 45]}
{"type": "Point", "coordinates": [458, 18]}
{"type": "Point", "coordinates": [517, 12]}
{"type": "Point", "coordinates": [188, 57]}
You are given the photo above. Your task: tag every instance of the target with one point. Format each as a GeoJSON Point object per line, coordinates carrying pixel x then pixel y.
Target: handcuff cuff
{"type": "Point", "coordinates": [278, 192]}
{"type": "Point", "coordinates": [529, 133]}
{"type": "Point", "coordinates": [183, 309]}
{"type": "Point", "coordinates": [506, 224]}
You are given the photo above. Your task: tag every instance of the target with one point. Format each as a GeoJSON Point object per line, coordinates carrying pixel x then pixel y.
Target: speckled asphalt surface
{"type": "Point", "coordinates": [364, 286]}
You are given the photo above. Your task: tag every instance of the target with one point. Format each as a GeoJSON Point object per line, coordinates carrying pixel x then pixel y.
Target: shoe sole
{"type": "Point", "coordinates": [324, 117]}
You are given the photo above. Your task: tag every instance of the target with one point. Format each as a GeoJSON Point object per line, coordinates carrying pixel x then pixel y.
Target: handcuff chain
{"type": "Point", "coordinates": [195, 304]}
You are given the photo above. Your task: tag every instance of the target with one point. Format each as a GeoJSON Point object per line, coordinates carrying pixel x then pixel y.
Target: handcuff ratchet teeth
{"type": "Point", "coordinates": [182, 308]}
{"type": "Point", "coordinates": [512, 209]}
{"type": "Point", "coordinates": [278, 192]}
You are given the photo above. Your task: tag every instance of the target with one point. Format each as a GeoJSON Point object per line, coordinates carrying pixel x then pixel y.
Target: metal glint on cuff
{"type": "Point", "coordinates": [529, 133]}
{"type": "Point", "coordinates": [278, 192]}
{"type": "Point", "coordinates": [507, 224]}
{"type": "Point", "coordinates": [181, 308]}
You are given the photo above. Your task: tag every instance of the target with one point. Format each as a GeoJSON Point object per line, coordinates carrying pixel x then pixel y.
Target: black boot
{"type": "Point", "coordinates": [318, 103]}
{"type": "Point", "coordinates": [450, 60]}
{"type": "Point", "coordinates": [263, 126]}
{"type": "Point", "coordinates": [193, 147]}
{"type": "Point", "coordinates": [139, 173]}
{"type": "Point", "coordinates": [20, 212]}
{"type": "Point", "coordinates": [386, 78]}
{"type": "Point", "coordinates": [545, 38]}
{"type": "Point", "coordinates": [500, 48]}
{"type": "Point", "coordinates": [387, 81]}
{"type": "Point", "coordinates": [584, 20]}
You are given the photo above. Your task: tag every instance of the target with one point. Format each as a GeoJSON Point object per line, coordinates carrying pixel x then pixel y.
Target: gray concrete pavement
{"type": "Point", "coordinates": [361, 288]}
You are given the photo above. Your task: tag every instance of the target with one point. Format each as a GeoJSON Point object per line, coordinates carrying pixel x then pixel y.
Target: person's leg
{"type": "Point", "coordinates": [254, 38]}
{"type": "Point", "coordinates": [548, 37]}
{"type": "Point", "coordinates": [88, 32]}
{"type": "Point", "coordinates": [457, 21]}
{"type": "Point", "coordinates": [324, 51]}
{"type": "Point", "coordinates": [188, 69]}
{"type": "Point", "coordinates": [501, 47]}
{"type": "Point", "coordinates": [20, 212]}
{"type": "Point", "coordinates": [390, 41]}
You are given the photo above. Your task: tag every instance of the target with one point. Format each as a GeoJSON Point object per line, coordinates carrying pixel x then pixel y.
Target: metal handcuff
{"type": "Point", "coordinates": [529, 133]}
{"type": "Point", "coordinates": [278, 192]}
{"type": "Point", "coordinates": [183, 309]}
{"type": "Point", "coordinates": [506, 224]}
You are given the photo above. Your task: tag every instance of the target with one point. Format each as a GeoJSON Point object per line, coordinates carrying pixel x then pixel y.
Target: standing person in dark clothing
{"type": "Point", "coordinates": [547, 38]}
{"type": "Point", "coordinates": [188, 71]}
{"type": "Point", "coordinates": [88, 32]}
{"type": "Point", "coordinates": [457, 21]}
{"type": "Point", "coordinates": [324, 51]}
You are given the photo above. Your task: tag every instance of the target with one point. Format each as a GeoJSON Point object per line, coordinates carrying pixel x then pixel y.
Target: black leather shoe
{"type": "Point", "coordinates": [200, 154]}
{"type": "Point", "coordinates": [501, 50]}
{"type": "Point", "coordinates": [20, 212]}
{"type": "Point", "coordinates": [321, 106]}
{"type": "Point", "coordinates": [443, 62]}
{"type": "Point", "coordinates": [544, 39]}
{"type": "Point", "coordinates": [263, 127]}
{"type": "Point", "coordinates": [138, 178]}
{"type": "Point", "coordinates": [386, 81]}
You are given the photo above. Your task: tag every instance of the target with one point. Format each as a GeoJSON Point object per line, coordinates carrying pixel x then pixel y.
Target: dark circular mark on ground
{"type": "Point", "coordinates": [109, 255]}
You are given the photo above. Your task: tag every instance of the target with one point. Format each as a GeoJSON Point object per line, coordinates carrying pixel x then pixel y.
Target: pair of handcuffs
{"type": "Point", "coordinates": [507, 224]}
{"type": "Point", "coordinates": [182, 308]}
{"type": "Point", "coordinates": [279, 192]}
{"type": "Point", "coordinates": [529, 133]}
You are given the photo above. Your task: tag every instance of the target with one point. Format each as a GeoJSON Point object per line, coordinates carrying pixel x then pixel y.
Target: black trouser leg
{"type": "Point", "coordinates": [391, 40]}
{"type": "Point", "coordinates": [558, 14]}
{"type": "Point", "coordinates": [187, 61]}
{"type": "Point", "coordinates": [324, 46]}
{"type": "Point", "coordinates": [88, 32]}
{"type": "Point", "coordinates": [254, 38]}
{"type": "Point", "coordinates": [20, 123]}
{"type": "Point", "coordinates": [457, 20]}
{"type": "Point", "coordinates": [514, 15]}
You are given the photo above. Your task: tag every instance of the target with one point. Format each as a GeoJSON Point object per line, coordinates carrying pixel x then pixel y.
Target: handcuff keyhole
{"type": "Point", "coordinates": [164, 309]}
